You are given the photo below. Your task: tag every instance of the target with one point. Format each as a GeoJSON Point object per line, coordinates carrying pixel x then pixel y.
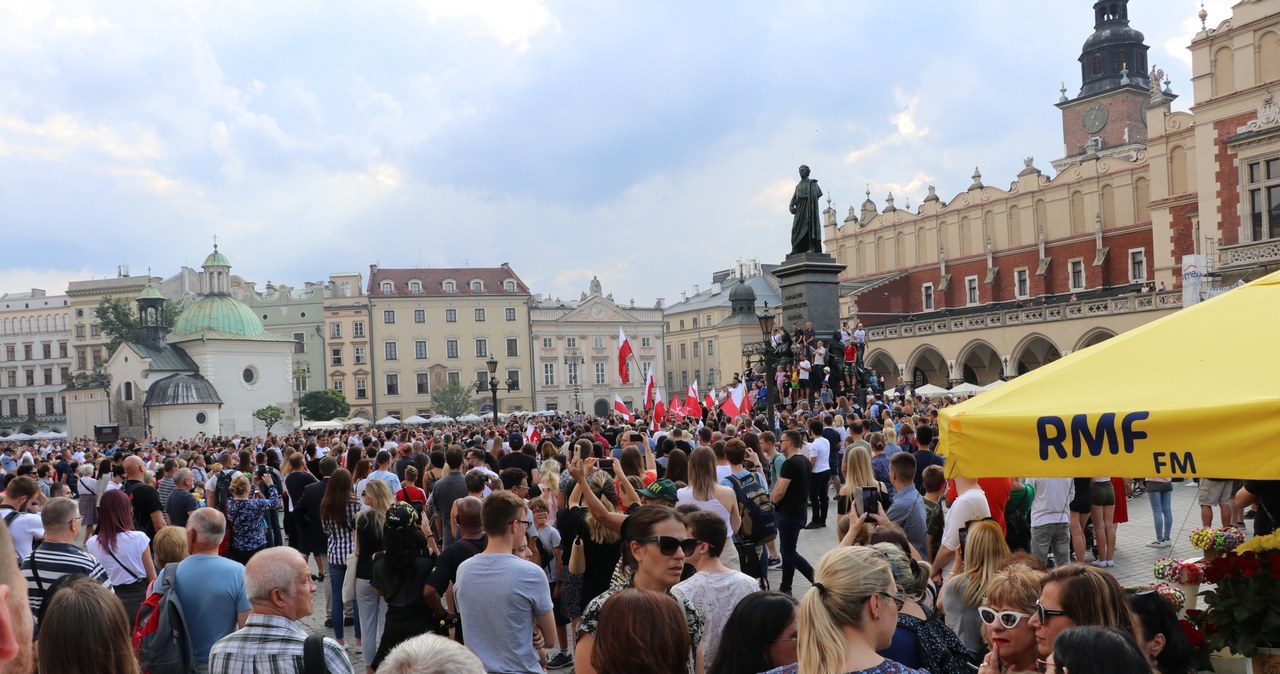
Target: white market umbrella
{"type": "Point", "coordinates": [967, 389]}
{"type": "Point", "coordinates": [320, 426]}
{"type": "Point", "coordinates": [440, 419]}
{"type": "Point", "coordinates": [931, 391]}
{"type": "Point", "coordinates": [387, 421]}
{"type": "Point", "coordinates": [356, 421]}
{"type": "Point", "coordinates": [995, 384]}
{"type": "Point", "coordinates": [470, 419]}
{"type": "Point", "coordinates": [18, 437]}
{"type": "Point", "coordinates": [416, 420]}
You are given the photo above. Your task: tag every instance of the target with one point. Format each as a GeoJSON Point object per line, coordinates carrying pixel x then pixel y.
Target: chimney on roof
{"type": "Point", "coordinates": [695, 289]}
{"type": "Point", "coordinates": [373, 269]}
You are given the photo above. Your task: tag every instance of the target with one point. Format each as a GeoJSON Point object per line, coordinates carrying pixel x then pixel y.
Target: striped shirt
{"type": "Point", "coordinates": [165, 487]}
{"type": "Point", "coordinates": [53, 561]}
{"type": "Point", "coordinates": [271, 644]}
{"type": "Point", "coordinates": [341, 538]}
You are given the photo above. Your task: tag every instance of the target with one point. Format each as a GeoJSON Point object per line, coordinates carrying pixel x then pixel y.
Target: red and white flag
{"type": "Point", "coordinates": [737, 402]}
{"type": "Point", "coordinates": [658, 413]}
{"type": "Point", "coordinates": [621, 407]}
{"type": "Point", "coordinates": [677, 408]}
{"type": "Point", "coordinates": [708, 402]}
{"type": "Point", "coordinates": [649, 390]}
{"type": "Point", "coordinates": [531, 434]}
{"type": "Point", "coordinates": [624, 350]}
{"type": "Point", "coordinates": [691, 405]}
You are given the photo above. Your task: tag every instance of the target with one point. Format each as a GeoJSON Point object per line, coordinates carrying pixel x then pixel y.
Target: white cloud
{"type": "Point", "coordinates": [1176, 45]}
{"type": "Point", "coordinates": [904, 121]}
{"type": "Point", "coordinates": [512, 22]}
{"type": "Point", "coordinates": [61, 135]}
{"type": "Point", "coordinates": [49, 279]}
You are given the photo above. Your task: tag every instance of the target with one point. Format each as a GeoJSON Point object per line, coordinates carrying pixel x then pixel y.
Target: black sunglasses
{"type": "Point", "coordinates": [668, 545]}
{"type": "Point", "coordinates": [1043, 614]}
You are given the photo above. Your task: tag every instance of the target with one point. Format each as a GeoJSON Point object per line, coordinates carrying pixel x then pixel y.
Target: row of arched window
{"type": "Point", "coordinates": [25, 325]}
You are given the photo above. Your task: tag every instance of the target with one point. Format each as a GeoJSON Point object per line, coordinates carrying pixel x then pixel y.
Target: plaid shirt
{"type": "Point", "coordinates": [270, 644]}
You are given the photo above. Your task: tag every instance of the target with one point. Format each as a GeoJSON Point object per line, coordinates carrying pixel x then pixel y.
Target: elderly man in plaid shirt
{"type": "Point", "coordinates": [280, 589]}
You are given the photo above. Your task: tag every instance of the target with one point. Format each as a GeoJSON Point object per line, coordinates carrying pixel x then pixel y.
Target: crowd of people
{"type": "Point", "coordinates": [604, 544]}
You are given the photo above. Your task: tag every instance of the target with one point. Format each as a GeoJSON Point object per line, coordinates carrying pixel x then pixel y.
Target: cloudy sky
{"type": "Point", "coordinates": [648, 143]}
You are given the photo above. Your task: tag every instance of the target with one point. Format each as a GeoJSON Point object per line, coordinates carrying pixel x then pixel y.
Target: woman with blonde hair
{"type": "Point", "coordinates": [706, 493]}
{"type": "Point", "coordinates": [984, 552]}
{"type": "Point", "coordinates": [245, 516]}
{"type": "Point", "coordinates": [1006, 614]}
{"type": "Point", "coordinates": [857, 474]}
{"type": "Point", "coordinates": [368, 542]}
{"type": "Point", "coordinates": [921, 639]}
{"type": "Point", "coordinates": [549, 483]}
{"type": "Point", "coordinates": [170, 546]}
{"type": "Point", "coordinates": [849, 614]}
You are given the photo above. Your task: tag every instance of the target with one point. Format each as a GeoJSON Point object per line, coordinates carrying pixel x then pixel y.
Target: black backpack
{"type": "Point", "coordinates": [222, 489]}
{"type": "Point", "coordinates": [760, 524]}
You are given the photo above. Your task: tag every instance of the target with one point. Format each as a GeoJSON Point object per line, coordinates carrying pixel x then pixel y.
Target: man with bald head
{"type": "Point", "coordinates": [148, 511]}
{"type": "Point", "coordinates": [15, 613]}
{"type": "Point", "coordinates": [278, 582]}
{"type": "Point", "coordinates": [211, 588]}
{"type": "Point", "coordinates": [471, 540]}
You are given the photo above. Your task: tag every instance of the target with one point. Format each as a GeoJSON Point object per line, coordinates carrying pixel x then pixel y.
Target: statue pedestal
{"type": "Point", "coordinates": [810, 285]}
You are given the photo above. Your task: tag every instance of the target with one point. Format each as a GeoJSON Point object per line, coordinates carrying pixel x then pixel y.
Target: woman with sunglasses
{"type": "Point", "coordinates": [654, 546]}
{"type": "Point", "coordinates": [849, 614]}
{"type": "Point", "coordinates": [984, 551]}
{"type": "Point", "coordinates": [1006, 614]}
{"type": "Point", "coordinates": [1079, 594]}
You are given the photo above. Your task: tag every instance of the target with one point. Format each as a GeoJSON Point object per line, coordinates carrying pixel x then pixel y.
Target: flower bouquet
{"type": "Point", "coordinates": [1221, 540]}
{"type": "Point", "coordinates": [1171, 594]}
{"type": "Point", "coordinates": [1178, 571]}
{"type": "Point", "coordinates": [1200, 650]}
{"type": "Point", "coordinates": [1243, 612]}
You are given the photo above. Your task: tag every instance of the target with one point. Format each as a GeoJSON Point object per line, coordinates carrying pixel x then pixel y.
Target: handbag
{"type": "Point", "coordinates": [349, 578]}
{"type": "Point", "coordinates": [577, 557]}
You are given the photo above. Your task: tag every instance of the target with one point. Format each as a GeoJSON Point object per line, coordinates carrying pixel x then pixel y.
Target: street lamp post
{"type": "Point", "coordinates": [769, 359]}
{"type": "Point", "coordinates": [574, 360]}
{"type": "Point", "coordinates": [492, 364]}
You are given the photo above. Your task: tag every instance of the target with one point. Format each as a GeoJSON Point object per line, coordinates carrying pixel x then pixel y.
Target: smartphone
{"type": "Point", "coordinates": [606, 465]}
{"type": "Point", "coordinates": [870, 499]}
{"type": "Point", "coordinates": [964, 536]}
{"type": "Point", "coordinates": [635, 437]}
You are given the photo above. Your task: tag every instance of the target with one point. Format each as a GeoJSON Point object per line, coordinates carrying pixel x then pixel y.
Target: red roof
{"type": "Point", "coordinates": [493, 281]}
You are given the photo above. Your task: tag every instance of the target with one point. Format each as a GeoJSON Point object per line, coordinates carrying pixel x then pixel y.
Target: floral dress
{"type": "Point", "coordinates": [248, 532]}
{"type": "Point", "coordinates": [591, 617]}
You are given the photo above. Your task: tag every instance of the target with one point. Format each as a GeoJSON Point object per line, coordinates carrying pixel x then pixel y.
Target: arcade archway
{"type": "Point", "coordinates": [979, 363]}
{"type": "Point", "coordinates": [1034, 351]}
{"type": "Point", "coordinates": [927, 366]}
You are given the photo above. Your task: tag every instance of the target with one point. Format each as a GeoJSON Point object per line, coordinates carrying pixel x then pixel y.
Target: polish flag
{"type": "Point", "coordinates": [691, 406]}
{"type": "Point", "coordinates": [531, 434]}
{"type": "Point", "coordinates": [708, 402]}
{"type": "Point", "coordinates": [624, 350]}
{"type": "Point", "coordinates": [658, 414]}
{"type": "Point", "coordinates": [649, 390]}
{"type": "Point", "coordinates": [737, 402]}
{"type": "Point", "coordinates": [621, 407]}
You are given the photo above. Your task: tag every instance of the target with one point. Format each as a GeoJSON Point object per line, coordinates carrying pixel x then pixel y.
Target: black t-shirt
{"type": "Point", "coordinates": [1268, 493]}
{"type": "Point", "coordinates": [446, 569]}
{"type": "Point", "coordinates": [402, 463]}
{"type": "Point", "coordinates": [146, 500]}
{"type": "Point", "coordinates": [519, 460]}
{"type": "Point", "coordinates": [795, 501]}
{"type": "Point", "coordinates": [601, 558]}
{"type": "Point", "coordinates": [611, 434]}
{"type": "Point", "coordinates": [408, 592]}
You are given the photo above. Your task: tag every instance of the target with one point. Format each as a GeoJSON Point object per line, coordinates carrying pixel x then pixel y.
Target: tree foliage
{"type": "Point", "coordinates": [119, 321]}
{"type": "Point", "coordinates": [452, 400]}
{"type": "Point", "coordinates": [269, 415]}
{"type": "Point", "coordinates": [323, 405]}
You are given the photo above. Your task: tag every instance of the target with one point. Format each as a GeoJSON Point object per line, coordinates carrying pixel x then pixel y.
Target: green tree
{"type": "Point", "coordinates": [119, 321]}
{"type": "Point", "coordinates": [452, 400]}
{"type": "Point", "coordinates": [269, 415]}
{"type": "Point", "coordinates": [323, 405]}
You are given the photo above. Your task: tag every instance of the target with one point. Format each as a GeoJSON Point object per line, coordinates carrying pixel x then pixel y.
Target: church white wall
{"type": "Point", "coordinates": [223, 363]}
{"type": "Point", "coordinates": [184, 421]}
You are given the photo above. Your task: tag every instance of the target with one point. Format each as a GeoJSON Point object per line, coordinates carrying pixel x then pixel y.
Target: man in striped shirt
{"type": "Point", "coordinates": [58, 556]}
{"type": "Point", "coordinates": [278, 582]}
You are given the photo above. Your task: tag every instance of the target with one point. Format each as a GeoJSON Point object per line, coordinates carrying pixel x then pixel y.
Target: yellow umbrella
{"type": "Point", "coordinates": [1196, 393]}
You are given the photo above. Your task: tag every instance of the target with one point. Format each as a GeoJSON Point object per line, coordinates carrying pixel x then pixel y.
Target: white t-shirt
{"type": "Point", "coordinates": [820, 449]}
{"type": "Point", "coordinates": [715, 595]}
{"type": "Point", "coordinates": [969, 506]}
{"type": "Point", "coordinates": [805, 366]}
{"type": "Point", "coordinates": [23, 528]}
{"type": "Point", "coordinates": [130, 547]}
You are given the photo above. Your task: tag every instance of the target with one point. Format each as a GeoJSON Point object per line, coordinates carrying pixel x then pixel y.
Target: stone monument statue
{"type": "Point", "coordinates": [806, 233]}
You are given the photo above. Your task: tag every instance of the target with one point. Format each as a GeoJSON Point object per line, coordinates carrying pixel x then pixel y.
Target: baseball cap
{"type": "Point", "coordinates": [661, 489]}
{"type": "Point", "coordinates": [401, 515]}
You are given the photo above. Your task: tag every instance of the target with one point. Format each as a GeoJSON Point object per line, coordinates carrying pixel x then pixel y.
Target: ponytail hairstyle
{"type": "Point", "coordinates": [846, 578]}
{"type": "Point", "coordinates": [911, 576]}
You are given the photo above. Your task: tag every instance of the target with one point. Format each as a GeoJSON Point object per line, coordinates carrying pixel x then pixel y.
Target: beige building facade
{"type": "Point", "coordinates": [348, 361]}
{"type": "Point", "coordinates": [704, 339]}
{"type": "Point", "coordinates": [35, 361]}
{"type": "Point", "coordinates": [576, 345]}
{"type": "Point", "coordinates": [430, 327]}
{"type": "Point", "coordinates": [995, 282]}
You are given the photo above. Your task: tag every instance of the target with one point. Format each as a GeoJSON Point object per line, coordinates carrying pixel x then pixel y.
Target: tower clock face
{"type": "Point", "coordinates": [1095, 117]}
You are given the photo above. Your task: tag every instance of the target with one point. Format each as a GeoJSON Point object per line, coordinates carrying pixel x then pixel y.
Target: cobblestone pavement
{"type": "Point", "coordinates": [1133, 558]}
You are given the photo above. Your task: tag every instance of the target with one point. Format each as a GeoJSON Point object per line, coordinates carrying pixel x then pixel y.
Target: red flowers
{"type": "Point", "coordinates": [1193, 635]}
